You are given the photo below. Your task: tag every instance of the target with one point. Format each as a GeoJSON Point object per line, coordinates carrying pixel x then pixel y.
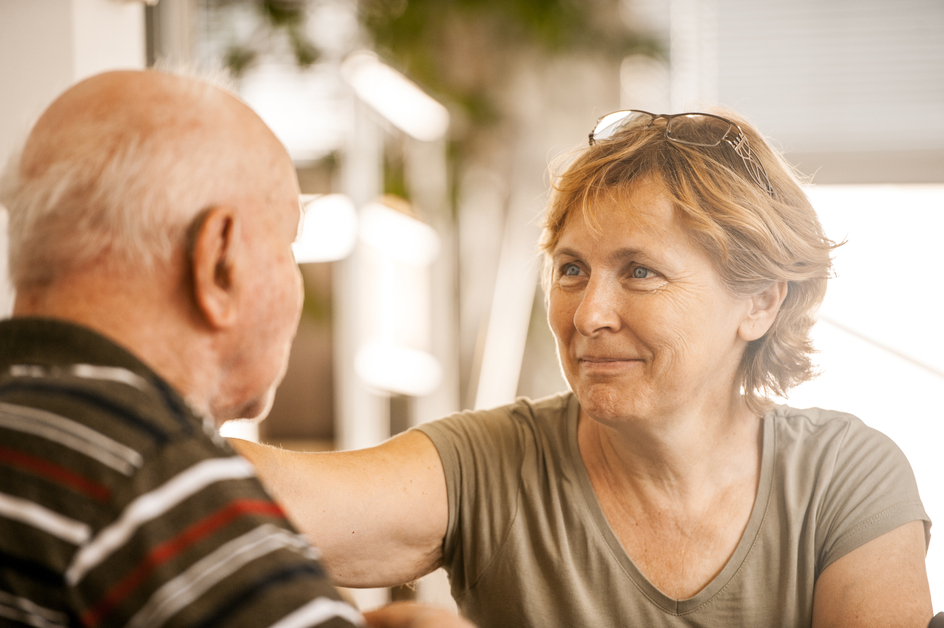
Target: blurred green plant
{"type": "Point", "coordinates": [460, 50]}
{"type": "Point", "coordinates": [278, 18]}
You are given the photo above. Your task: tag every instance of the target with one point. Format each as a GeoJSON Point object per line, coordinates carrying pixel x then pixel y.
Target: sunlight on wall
{"type": "Point", "coordinates": [880, 332]}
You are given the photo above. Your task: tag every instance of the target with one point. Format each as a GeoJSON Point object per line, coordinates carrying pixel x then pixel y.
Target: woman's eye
{"type": "Point", "coordinates": [640, 272]}
{"type": "Point", "coordinates": [571, 270]}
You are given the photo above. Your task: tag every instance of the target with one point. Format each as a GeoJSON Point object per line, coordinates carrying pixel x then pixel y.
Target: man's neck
{"type": "Point", "coordinates": [149, 317]}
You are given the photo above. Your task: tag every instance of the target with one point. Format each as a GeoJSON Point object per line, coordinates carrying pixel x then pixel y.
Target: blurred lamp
{"type": "Point", "coordinates": [328, 228]}
{"type": "Point", "coordinates": [398, 369]}
{"type": "Point", "coordinates": [395, 97]}
{"type": "Point", "coordinates": [396, 253]}
{"type": "Point", "coordinates": [395, 234]}
{"type": "Point", "coordinates": [305, 108]}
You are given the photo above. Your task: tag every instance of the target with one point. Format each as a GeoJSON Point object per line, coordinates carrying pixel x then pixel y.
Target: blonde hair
{"type": "Point", "coordinates": [754, 238]}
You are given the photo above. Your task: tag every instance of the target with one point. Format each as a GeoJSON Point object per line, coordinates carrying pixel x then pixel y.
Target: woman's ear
{"type": "Point", "coordinates": [214, 242]}
{"type": "Point", "coordinates": [764, 308]}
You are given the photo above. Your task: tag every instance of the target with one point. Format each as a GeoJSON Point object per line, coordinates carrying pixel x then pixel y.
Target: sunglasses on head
{"type": "Point", "coordinates": [692, 129]}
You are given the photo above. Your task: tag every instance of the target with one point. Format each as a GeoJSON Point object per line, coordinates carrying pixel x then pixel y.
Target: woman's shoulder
{"type": "Point", "coordinates": [546, 412]}
{"type": "Point", "coordinates": [515, 427]}
{"type": "Point", "coordinates": [821, 444]}
{"type": "Point", "coordinates": [552, 407]}
{"type": "Point", "coordinates": [854, 480]}
{"type": "Point", "coordinates": [818, 425]}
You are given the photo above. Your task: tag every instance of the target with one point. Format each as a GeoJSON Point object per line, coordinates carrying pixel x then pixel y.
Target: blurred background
{"type": "Point", "coordinates": [422, 132]}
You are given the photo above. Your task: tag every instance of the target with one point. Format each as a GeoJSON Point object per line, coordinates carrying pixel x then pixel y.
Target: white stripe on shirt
{"type": "Point", "coordinates": [71, 434]}
{"type": "Point", "coordinates": [51, 522]}
{"type": "Point", "coordinates": [30, 612]}
{"type": "Point", "coordinates": [109, 374]}
{"type": "Point", "coordinates": [22, 617]}
{"type": "Point", "coordinates": [84, 371]}
{"type": "Point", "coordinates": [206, 573]}
{"type": "Point", "coordinates": [151, 505]}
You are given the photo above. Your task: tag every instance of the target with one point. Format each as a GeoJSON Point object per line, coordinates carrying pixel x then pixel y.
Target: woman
{"type": "Point", "coordinates": [684, 264]}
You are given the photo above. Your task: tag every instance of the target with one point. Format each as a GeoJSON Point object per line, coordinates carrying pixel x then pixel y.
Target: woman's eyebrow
{"type": "Point", "coordinates": [628, 252]}
{"type": "Point", "coordinates": [565, 251]}
{"type": "Point", "coordinates": [619, 255]}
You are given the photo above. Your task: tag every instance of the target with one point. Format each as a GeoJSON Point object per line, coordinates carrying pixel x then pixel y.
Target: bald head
{"type": "Point", "coordinates": [160, 211]}
{"type": "Point", "coordinates": [118, 166]}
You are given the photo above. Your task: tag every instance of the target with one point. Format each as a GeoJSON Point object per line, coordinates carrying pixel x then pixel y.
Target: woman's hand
{"type": "Point", "coordinates": [414, 615]}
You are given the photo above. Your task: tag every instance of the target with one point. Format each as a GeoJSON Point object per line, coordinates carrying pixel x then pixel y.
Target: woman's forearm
{"type": "Point", "coordinates": [378, 515]}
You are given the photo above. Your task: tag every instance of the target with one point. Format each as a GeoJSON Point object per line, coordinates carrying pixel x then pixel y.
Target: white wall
{"type": "Point", "coordinates": [45, 46]}
{"type": "Point", "coordinates": [879, 335]}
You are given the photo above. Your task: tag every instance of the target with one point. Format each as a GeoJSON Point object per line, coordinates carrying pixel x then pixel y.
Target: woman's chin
{"type": "Point", "coordinates": [609, 405]}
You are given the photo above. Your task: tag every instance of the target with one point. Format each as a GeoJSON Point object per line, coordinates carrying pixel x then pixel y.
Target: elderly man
{"type": "Point", "coordinates": [151, 224]}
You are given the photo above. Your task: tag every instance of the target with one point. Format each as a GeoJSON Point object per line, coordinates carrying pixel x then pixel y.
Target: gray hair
{"type": "Point", "coordinates": [130, 196]}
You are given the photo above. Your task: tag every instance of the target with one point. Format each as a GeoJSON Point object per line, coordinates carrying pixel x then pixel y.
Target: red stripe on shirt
{"type": "Point", "coordinates": [171, 548]}
{"type": "Point", "coordinates": [55, 473]}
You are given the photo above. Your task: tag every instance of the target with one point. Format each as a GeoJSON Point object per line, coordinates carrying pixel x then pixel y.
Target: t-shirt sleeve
{"type": "Point", "coordinates": [201, 543]}
{"type": "Point", "coordinates": [482, 455]}
{"type": "Point", "coordinates": [871, 491]}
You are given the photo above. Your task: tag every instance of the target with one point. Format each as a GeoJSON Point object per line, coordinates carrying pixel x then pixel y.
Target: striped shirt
{"type": "Point", "coordinates": [121, 507]}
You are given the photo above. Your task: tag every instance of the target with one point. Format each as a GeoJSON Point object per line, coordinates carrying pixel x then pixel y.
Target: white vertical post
{"type": "Point", "coordinates": [362, 415]}
{"type": "Point", "coordinates": [173, 32]}
{"type": "Point", "coordinates": [509, 318]}
{"type": "Point", "coordinates": [427, 178]}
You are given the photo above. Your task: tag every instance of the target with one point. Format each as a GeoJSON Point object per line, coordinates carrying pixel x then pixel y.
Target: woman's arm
{"type": "Point", "coordinates": [378, 515]}
{"type": "Point", "coordinates": [883, 583]}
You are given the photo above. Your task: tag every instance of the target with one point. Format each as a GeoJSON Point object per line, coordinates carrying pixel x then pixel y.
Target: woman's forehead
{"type": "Point", "coordinates": [643, 206]}
{"type": "Point", "coordinates": [643, 222]}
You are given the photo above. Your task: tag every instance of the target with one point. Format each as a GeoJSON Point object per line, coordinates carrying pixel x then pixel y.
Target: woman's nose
{"type": "Point", "coordinates": [598, 309]}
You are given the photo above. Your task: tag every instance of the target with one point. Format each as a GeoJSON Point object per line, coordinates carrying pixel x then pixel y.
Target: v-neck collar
{"type": "Point", "coordinates": [741, 552]}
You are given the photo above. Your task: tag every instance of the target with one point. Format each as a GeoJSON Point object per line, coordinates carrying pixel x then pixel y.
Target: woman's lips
{"type": "Point", "coordinates": [605, 358]}
{"type": "Point", "coordinates": [607, 364]}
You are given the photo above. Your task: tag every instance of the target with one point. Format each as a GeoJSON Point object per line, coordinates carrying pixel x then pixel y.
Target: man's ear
{"type": "Point", "coordinates": [764, 308]}
{"type": "Point", "coordinates": [214, 242]}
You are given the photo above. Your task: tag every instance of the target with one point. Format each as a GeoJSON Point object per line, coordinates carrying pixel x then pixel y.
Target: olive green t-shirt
{"type": "Point", "coordinates": [528, 545]}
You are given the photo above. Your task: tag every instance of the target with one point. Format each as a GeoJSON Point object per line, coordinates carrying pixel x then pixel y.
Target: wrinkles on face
{"type": "Point", "coordinates": [642, 321]}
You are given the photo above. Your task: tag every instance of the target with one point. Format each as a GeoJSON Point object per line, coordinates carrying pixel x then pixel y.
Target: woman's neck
{"type": "Point", "coordinates": [681, 459]}
{"type": "Point", "coordinates": [678, 494]}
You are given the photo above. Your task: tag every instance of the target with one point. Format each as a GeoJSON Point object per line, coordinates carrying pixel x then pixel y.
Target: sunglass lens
{"type": "Point", "coordinates": [696, 129]}
{"type": "Point", "coordinates": [610, 125]}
